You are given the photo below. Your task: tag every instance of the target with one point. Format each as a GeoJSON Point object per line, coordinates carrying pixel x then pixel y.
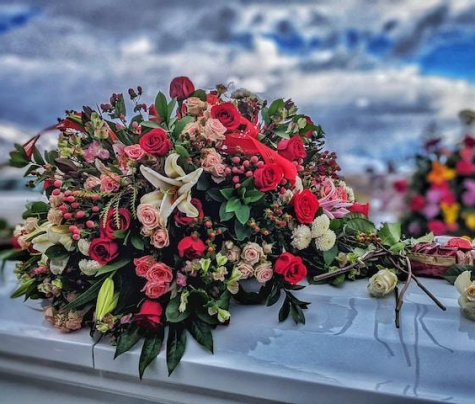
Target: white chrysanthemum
{"type": "Point", "coordinates": [89, 267]}
{"type": "Point", "coordinates": [350, 192]}
{"type": "Point", "coordinates": [301, 237]}
{"type": "Point", "coordinates": [83, 247]}
{"type": "Point", "coordinates": [320, 226]}
{"type": "Point", "coordinates": [325, 242]}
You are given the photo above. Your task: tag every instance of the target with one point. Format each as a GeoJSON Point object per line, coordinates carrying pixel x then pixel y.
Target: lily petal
{"type": "Point", "coordinates": [172, 169]}
{"type": "Point", "coordinates": [158, 180]}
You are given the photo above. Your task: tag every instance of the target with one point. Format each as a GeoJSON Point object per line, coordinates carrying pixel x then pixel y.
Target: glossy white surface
{"type": "Point", "coordinates": [348, 350]}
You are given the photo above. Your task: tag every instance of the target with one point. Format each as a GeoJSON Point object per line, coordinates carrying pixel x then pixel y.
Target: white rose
{"type": "Point", "coordinates": [301, 237]}
{"type": "Point", "coordinates": [231, 251]}
{"type": "Point", "coordinates": [325, 242]}
{"type": "Point", "coordinates": [382, 283]}
{"type": "Point", "coordinates": [55, 216]}
{"type": "Point", "coordinates": [30, 224]}
{"type": "Point", "coordinates": [466, 288]}
{"type": "Point", "coordinates": [286, 197]}
{"type": "Point", "coordinates": [264, 272]}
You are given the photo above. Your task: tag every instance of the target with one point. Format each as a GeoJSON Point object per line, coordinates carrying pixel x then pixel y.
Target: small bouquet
{"type": "Point", "coordinates": [156, 222]}
{"type": "Point", "coordinates": [441, 195]}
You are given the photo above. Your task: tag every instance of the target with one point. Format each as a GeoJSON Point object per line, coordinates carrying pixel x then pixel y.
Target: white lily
{"type": "Point", "coordinates": [173, 191]}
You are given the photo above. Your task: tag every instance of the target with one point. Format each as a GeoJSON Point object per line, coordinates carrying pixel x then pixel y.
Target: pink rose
{"type": "Point", "coordinates": [134, 152]}
{"type": "Point", "coordinates": [154, 290]}
{"type": "Point", "coordinates": [218, 173]}
{"type": "Point", "coordinates": [143, 264]}
{"type": "Point", "coordinates": [252, 253]}
{"type": "Point", "coordinates": [264, 272]}
{"type": "Point", "coordinates": [210, 158]}
{"type": "Point", "coordinates": [159, 272]}
{"type": "Point", "coordinates": [246, 269]}
{"type": "Point", "coordinates": [160, 238]}
{"type": "Point", "coordinates": [215, 130]}
{"type": "Point", "coordinates": [110, 183]}
{"type": "Point", "coordinates": [194, 106]}
{"type": "Point", "coordinates": [149, 216]}
{"type": "Point", "coordinates": [91, 183]}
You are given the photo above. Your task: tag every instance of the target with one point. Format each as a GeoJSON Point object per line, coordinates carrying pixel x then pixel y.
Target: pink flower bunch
{"type": "Point", "coordinates": [157, 274]}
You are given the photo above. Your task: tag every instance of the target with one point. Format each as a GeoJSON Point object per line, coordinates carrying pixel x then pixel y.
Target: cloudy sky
{"type": "Point", "coordinates": [373, 73]}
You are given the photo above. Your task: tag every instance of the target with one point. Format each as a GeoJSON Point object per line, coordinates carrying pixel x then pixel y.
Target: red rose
{"type": "Point", "coordinates": [183, 220]}
{"type": "Point", "coordinates": [400, 186]}
{"type": "Point", "coordinates": [181, 88]}
{"type": "Point", "coordinates": [417, 203]}
{"type": "Point", "coordinates": [227, 114]}
{"type": "Point", "coordinates": [212, 99]}
{"type": "Point", "coordinates": [290, 267]}
{"type": "Point", "coordinates": [153, 114]}
{"type": "Point", "coordinates": [292, 149]}
{"type": "Point", "coordinates": [465, 167]}
{"type": "Point", "coordinates": [268, 177]}
{"type": "Point", "coordinates": [191, 247]}
{"type": "Point", "coordinates": [305, 206]}
{"type": "Point", "coordinates": [48, 183]}
{"type": "Point", "coordinates": [149, 315]}
{"type": "Point", "coordinates": [360, 208]}
{"type": "Point", "coordinates": [469, 141]}
{"type": "Point", "coordinates": [103, 250]}
{"type": "Point", "coordinates": [156, 142]}
{"type": "Point", "coordinates": [109, 224]}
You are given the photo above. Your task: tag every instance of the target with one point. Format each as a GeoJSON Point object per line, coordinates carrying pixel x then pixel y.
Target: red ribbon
{"type": "Point", "coordinates": [246, 142]}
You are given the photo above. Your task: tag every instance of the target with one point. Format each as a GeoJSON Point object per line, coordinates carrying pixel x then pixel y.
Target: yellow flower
{"type": "Point", "coordinates": [440, 173]}
{"type": "Point", "coordinates": [470, 221]}
{"type": "Point", "coordinates": [450, 212]}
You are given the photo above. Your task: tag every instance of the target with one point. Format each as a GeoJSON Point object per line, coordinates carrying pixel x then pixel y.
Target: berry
{"type": "Point", "coordinates": [95, 209]}
{"type": "Point", "coordinates": [80, 214]}
{"type": "Point", "coordinates": [76, 237]}
{"type": "Point", "coordinates": [56, 192]}
{"type": "Point", "coordinates": [90, 224]}
{"type": "Point", "coordinates": [58, 183]}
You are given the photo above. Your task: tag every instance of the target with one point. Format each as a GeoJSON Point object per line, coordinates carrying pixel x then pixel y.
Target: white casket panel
{"type": "Point", "coordinates": [349, 350]}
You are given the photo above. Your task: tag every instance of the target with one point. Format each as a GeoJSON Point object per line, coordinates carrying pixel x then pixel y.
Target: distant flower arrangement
{"type": "Point", "coordinates": [441, 195]}
{"type": "Point", "coordinates": [156, 222]}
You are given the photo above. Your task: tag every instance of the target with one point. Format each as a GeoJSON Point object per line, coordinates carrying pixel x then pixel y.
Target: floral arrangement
{"type": "Point", "coordinates": [155, 223]}
{"type": "Point", "coordinates": [441, 194]}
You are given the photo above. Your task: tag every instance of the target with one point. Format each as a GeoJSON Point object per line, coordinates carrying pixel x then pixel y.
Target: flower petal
{"type": "Point", "coordinates": [462, 282]}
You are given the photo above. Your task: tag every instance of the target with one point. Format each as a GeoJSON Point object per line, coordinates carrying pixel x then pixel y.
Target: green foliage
{"type": "Point", "coordinates": [455, 270]}
{"type": "Point", "coordinates": [390, 233]}
{"type": "Point", "coordinates": [127, 340]}
{"type": "Point", "coordinates": [201, 332]}
{"type": "Point", "coordinates": [88, 296]}
{"type": "Point", "coordinates": [173, 313]}
{"type": "Point", "coordinates": [176, 344]}
{"type": "Point", "coordinates": [150, 350]}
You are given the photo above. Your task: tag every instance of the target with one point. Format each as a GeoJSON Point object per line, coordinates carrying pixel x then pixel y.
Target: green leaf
{"type": "Point", "coordinates": [227, 192]}
{"type": "Point", "coordinates": [176, 344]}
{"type": "Point", "coordinates": [201, 94]}
{"type": "Point", "coordinates": [253, 196]}
{"type": "Point", "coordinates": [223, 215]}
{"type": "Point", "coordinates": [233, 205]}
{"type": "Point", "coordinates": [181, 151]}
{"type": "Point", "coordinates": [38, 157]}
{"type": "Point", "coordinates": [137, 241]}
{"type": "Point", "coordinates": [242, 231]}
{"type": "Point", "coordinates": [113, 267]}
{"type": "Point", "coordinates": [330, 255]}
{"type": "Point", "coordinates": [265, 115]}
{"type": "Point", "coordinates": [172, 312]}
{"type": "Point", "coordinates": [274, 295]}
{"type": "Point", "coordinates": [57, 251]}
{"type": "Point", "coordinates": [86, 297]}
{"type": "Point", "coordinates": [201, 332]}
{"type": "Point", "coordinates": [39, 207]}
{"type": "Point", "coordinates": [284, 310]}
{"type": "Point", "coordinates": [22, 289]}
{"type": "Point", "coordinates": [398, 247]}
{"type": "Point", "coordinates": [390, 233]}
{"type": "Point", "coordinates": [162, 106]}
{"type": "Point", "coordinates": [243, 213]}
{"type": "Point", "coordinates": [127, 340]}
{"type": "Point", "coordinates": [216, 195]}
{"type": "Point", "coordinates": [276, 106]}
{"type": "Point", "coordinates": [171, 107]}
{"type": "Point", "coordinates": [150, 124]}
{"type": "Point", "coordinates": [181, 124]}
{"type": "Point", "coordinates": [360, 225]}
{"type": "Point", "coordinates": [150, 350]}
{"type": "Point", "coordinates": [455, 270]}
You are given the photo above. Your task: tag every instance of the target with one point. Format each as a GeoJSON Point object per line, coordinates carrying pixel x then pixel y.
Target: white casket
{"type": "Point", "coordinates": [349, 351]}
